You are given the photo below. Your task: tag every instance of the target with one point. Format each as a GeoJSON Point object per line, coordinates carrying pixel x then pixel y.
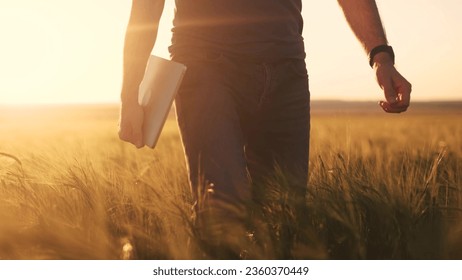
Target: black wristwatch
{"type": "Point", "coordinates": [381, 48]}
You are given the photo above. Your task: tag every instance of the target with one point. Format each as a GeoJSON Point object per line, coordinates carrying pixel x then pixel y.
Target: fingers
{"type": "Point", "coordinates": [131, 135]}
{"type": "Point", "coordinates": [136, 138]}
{"type": "Point", "coordinates": [131, 123]}
{"type": "Point", "coordinates": [395, 102]}
{"type": "Point", "coordinates": [405, 91]}
{"type": "Point", "coordinates": [389, 108]}
{"type": "Point", "coordinates": [397, 91]}
{"type": "Point", "coordinates": [390, 93]}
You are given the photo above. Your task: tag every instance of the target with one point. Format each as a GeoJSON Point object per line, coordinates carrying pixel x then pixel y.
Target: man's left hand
{"type": "Point", "coordinates": [396, 88]}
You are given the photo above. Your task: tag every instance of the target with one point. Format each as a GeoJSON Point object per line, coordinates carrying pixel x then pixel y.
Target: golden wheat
{"type": "Point", "coordinates": [381, 187]}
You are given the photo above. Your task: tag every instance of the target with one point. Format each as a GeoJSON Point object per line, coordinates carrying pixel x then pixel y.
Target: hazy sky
{"type": "Point", "coordinates": [70, 50]}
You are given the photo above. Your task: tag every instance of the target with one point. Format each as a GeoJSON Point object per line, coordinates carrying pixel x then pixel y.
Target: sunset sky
{"type": "Point", "coordinates": [69, 51]}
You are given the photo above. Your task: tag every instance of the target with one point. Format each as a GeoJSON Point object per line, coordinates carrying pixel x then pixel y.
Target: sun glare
{"type": "Point", "coordinates": [61, 51]}
{"type": "Point", "coordinates": [58, 51]}
{"type": "Point", "coordinates": [31, 54]}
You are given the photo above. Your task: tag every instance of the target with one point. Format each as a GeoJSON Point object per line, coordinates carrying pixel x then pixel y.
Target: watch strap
{"type": "Point", "coordinates": [381, 48]}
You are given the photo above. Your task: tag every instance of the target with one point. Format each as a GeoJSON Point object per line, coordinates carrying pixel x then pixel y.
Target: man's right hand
{"type": "Point", "coordinates": [131, 124]}
{"type": "Point", "coordinates": [139, 40]}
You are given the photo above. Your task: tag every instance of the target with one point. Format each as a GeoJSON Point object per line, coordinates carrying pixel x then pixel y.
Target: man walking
{"type": "Point", "coordinates": [243, 107]}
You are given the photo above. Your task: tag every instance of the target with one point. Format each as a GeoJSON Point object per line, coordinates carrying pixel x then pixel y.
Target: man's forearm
{"type": "Point", "coordinates": [139, 40]}
{"type": "Point", "coordinates": [364, 19]}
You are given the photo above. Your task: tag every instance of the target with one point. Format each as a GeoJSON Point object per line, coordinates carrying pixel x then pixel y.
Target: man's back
{"type": "Point", "coordinates": [257, 29]}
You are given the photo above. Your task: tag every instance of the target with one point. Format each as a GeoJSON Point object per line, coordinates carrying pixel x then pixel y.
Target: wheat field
{"type": "Point", "coordinates": [380, 187]}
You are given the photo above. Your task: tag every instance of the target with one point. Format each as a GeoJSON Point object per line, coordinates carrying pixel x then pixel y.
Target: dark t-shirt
{"type": "Point", "coordinates": [257, 29]}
